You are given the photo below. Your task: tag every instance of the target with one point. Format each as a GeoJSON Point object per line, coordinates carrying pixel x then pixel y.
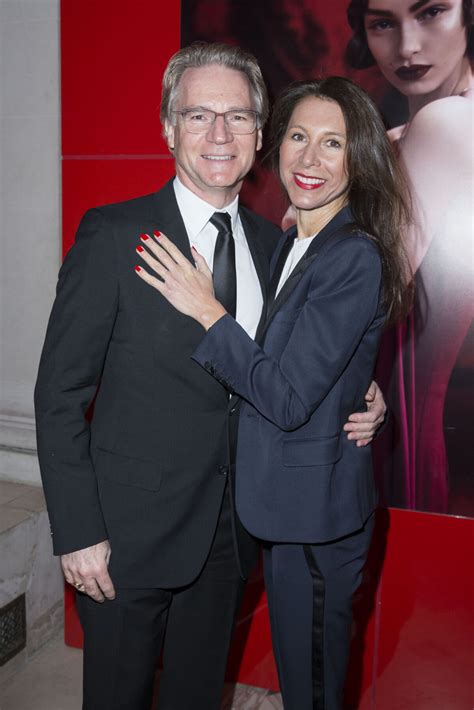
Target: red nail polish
{"type": "Point", "coordinates": [138, 268]}
{"type": "Point", "coordinates": [157, 234]}
{"type": "Point", "coordinates": [144, 237]}
{"type": "Point", "coordinates": [140, 249]}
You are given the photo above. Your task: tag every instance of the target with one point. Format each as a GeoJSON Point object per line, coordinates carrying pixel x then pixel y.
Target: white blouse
{"type": "Point", "coordinates": [297, 251]}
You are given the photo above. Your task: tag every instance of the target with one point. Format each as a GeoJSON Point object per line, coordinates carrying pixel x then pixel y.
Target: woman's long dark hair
{"type": "Point", "coordinates": [377, 191]}
{"type": "Point", "coordinates": [358, 54]}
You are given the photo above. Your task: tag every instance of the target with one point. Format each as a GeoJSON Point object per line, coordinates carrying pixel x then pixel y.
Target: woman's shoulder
{"type": "Point", "coordinates": [354, 241]}
{"type": "Point", "coordinates": [439, 136]}
{"type": "Point", "coordinates": [441, 114]}
{"type": "Point", "coordinates": [436, 120]}
{"type": "Point", "coordinates": [446, 118]}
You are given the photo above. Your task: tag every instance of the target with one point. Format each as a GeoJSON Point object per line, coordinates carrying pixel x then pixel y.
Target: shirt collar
{"type": "Point", "coordinates": [196, 213]}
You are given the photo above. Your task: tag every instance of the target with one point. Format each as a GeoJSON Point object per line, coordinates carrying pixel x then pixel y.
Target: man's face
{"type": "Point", "coordinates": [213, 164]}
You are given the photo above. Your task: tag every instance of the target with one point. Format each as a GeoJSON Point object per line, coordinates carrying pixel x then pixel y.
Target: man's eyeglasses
{"type": "Point", "coordinates": [200, 120]}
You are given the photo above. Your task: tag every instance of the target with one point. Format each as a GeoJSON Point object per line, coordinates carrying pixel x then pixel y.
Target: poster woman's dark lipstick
{"type": "Point", "coordinates": [413, 73]}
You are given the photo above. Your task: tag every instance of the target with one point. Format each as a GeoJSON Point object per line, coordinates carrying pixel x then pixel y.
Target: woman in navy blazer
{"type": "Point", "coordinates": [338, 276]}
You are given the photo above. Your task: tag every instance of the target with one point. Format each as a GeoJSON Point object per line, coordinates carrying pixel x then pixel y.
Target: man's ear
{"type": "Point", "coordinates": [168, 134]}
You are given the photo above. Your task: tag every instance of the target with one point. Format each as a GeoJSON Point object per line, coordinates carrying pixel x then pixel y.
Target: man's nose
{"type": "Point", "coordinates": [409, 41]}
{"type": "Point", "coordinates": [219, 132]}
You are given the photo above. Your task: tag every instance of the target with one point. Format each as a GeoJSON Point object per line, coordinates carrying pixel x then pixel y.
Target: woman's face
{"type": "Point", "coordinates": [312, 155]}
{"type": "Point", "coordinates": [418, 46]}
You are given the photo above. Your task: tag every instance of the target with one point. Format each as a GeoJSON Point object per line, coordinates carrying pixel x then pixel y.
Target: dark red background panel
{"type": "Point", "coordinates": [113, 55]}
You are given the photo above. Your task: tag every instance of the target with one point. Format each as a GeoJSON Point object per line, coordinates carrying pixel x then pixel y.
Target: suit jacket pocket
{"type": "Point", "coordinates": [128, 470]}
{"type": "Point", "coordinates": [311, 452]}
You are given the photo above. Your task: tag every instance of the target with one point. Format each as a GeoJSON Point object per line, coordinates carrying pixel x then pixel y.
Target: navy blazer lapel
{"type": "Point", "coordinates": [290, 236]}
{"type": "Point", "coordinates": [341, 219]}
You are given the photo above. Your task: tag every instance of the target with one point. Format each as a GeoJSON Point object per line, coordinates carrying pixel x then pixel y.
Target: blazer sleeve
{"type": "Point", "coordinates": [74, 351]}
{"type": "Point", "coordinates": [341, 304]}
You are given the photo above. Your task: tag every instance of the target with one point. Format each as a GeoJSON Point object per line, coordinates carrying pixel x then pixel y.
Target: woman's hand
{"type": "Point", "coordinates": [189, 289]}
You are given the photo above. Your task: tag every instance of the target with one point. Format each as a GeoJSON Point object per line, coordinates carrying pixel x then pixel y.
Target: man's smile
{"type": "Point", "coordinates": [217, 157]}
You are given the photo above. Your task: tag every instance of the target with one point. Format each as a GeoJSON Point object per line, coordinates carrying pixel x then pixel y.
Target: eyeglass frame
{"type": "Point", "coordinates": [183, 111]}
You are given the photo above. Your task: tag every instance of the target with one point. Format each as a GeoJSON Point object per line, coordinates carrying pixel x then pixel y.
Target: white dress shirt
{"type": "Point", "coordinates": [202, 235]}
{"type": "Point", "coordinates": [297, 251]}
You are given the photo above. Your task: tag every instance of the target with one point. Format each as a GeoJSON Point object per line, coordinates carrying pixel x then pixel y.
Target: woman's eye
{"type": "Point", "coordinates": [333, 143]}
{"type": "Point", "coordinates": [380, 25]}
{"type": "Point", "coordinates": [431, 12]}
{"type": "Point", "coordinates": [296, 136]}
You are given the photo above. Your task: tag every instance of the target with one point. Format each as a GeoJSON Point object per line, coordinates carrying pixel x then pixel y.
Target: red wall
{"type": "Point", "coordinates": [413, 634]}
{"type": "Point", "coordinates": [112, 59]}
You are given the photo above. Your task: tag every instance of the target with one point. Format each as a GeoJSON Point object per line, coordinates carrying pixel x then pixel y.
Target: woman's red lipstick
{"type": "Point", "coordinates": [413, 73]}
{"type": "Point", "coordinates": [308, 183]}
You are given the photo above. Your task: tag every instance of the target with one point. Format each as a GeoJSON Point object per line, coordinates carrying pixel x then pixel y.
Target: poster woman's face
{"type": "Point", "coordinates": [418, 46]}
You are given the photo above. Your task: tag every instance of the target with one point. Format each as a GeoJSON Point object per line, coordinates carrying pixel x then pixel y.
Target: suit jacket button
{"type": "Point", "coordinates": [233, 411]}
{"type": "Point", "coordinates": [223, 470]}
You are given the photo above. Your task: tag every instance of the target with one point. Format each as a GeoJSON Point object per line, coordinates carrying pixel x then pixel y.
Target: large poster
{"type": "Point", "coordinates": [414, 60]}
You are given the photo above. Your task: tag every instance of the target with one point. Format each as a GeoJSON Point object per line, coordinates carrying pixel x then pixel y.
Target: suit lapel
{"type": "Point", "coordinates": [259, 258]}
{"type": "Point", "coordinates": [169, 221]}
{"type": "Point", "coordinates": [342, 218]}
{"type": "Point", "coordinates": [280, 263]}
{"type": "Point", "coordinates": [260, 261]}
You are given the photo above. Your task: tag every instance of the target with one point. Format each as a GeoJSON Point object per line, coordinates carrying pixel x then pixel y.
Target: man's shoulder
{"type": "Point", "coordinates": [260, 222]}
{"type": "Point", "coordinates": [136, 207]}
{"type": "Point", "coordinates": [267, 233]}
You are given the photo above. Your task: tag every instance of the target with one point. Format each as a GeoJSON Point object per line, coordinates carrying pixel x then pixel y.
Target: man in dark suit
{"type": "Point", "coordinates": [139, 500]}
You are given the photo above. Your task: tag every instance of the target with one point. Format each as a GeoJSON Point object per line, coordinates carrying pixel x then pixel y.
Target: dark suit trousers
{"type": "Point", "coordinates": [123, 638]}
{"type": "Point", "coordinates": [310, 590]}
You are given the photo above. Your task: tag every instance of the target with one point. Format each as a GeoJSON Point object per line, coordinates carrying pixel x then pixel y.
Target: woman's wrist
{"type": "Point", "coordinates": [211, 314]}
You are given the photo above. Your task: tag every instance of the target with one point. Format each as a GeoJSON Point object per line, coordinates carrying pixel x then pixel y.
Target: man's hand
{"type": "Point", "coordinates": [363, 425]}
{"type": "Point", "coordinates": [87, 571]}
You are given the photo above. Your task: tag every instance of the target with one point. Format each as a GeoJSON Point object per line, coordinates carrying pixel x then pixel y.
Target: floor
{"type": "Point", "coordinates": [52, 681]}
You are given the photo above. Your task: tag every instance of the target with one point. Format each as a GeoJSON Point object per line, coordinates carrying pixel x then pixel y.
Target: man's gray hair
{"type": "Point", "coordinates": [202, 54]}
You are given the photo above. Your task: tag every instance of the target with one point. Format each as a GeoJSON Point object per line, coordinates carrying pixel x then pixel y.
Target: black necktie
{"type": "Point", "coordinates": [223, 272]}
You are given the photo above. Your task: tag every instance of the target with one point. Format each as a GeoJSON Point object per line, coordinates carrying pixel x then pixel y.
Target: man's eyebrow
{"type": "Point", "coordinates": [387, 13]}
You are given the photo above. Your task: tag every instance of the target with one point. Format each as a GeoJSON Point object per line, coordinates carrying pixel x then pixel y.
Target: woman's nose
{"type": "Point", "coordinates": [311, 156]}
{"type": "Point", "coordinates": [409, 41]}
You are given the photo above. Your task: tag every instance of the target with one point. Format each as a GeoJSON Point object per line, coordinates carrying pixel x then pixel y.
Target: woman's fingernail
{"type": "Point", "coordinates": [138, 268]}
{"type": "Point", "coordinates": [144, 237]}
{"type": "Point", "coordinates": [157, 234]}
{"type": "Point", "coordinates": [140, 249]}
